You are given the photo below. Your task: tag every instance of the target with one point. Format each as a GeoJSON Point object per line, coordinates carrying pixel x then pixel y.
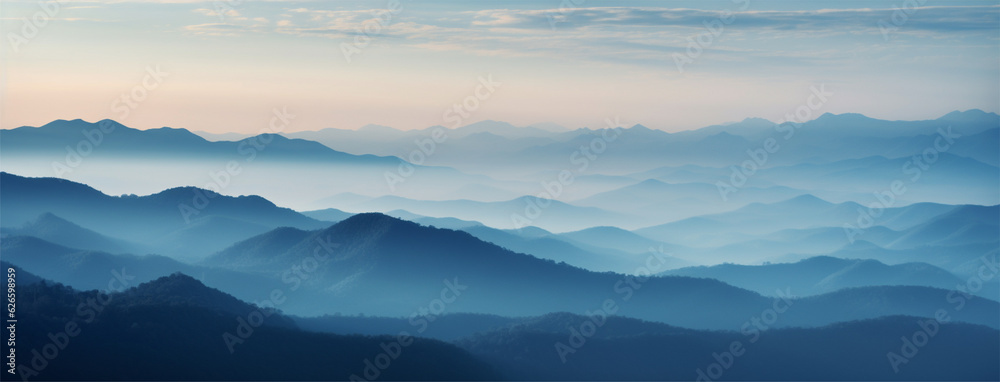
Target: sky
{"type": "Point", "coordinates": [228, 65]}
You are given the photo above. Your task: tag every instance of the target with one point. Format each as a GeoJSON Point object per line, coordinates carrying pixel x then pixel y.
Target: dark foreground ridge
{"type": "Point", "coordinates": [175, 328]}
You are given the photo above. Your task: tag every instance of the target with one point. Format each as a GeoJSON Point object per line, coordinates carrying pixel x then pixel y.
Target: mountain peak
{"type": "Point", "coordinates": [109, 122]}
{"type": "Point", "coordinates": [845, 117]}
{"type": "Point", "coordinates": [502, 129]}
{"type": "Point", "coordinates": [185, 191]}
{"type": "Point", "coordinates": [179, 289]}
{"type": "Point", "coordinates": [651, 182]}
{"type": "Point", "coordinates": [641, 130]}
{"type": "Point", "coordinates": [267, 137]}
{"type": "Point", "coordinates": [78, 124]}
{"type": "Point", "coordinates": [755, 120]}
{"type": "Point", "coordinates": [176, 289]}
{"type": "Point", "coordinates": [971, 115]}
{"type": "Point", "coordinates": [177, 279]}
{"type": "Point", "coordinates": [173, 134]}
{"type": "Point", "coordinates": [49, 217]}
{"type": "Point", "coordinates": [370, 220]}
{"type": "Point", "coordinates": [808, 199]}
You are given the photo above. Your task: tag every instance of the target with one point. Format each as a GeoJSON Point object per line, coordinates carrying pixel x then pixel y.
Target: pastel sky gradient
{"type": "Point", "coordinates": [600, 59]}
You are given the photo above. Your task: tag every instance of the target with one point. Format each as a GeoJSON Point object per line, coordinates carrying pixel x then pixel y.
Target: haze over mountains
{"type": "Point", "coordinates": [835, 157]}
{"type": "Point", "coordinates": [626, 190]}
{"type": "Point", "coordinates": [499, 242]}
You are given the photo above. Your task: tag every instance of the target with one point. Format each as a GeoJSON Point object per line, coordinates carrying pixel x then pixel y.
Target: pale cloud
{"type": "Point", "coordinates": [636, 35]}
{"type": "Point", "coordinates": [215, 29]}
{"type": "Point", "coordinates": [937, 18]}
{"type": "Point", "coordinates": [330, 23]}
{"type": "Point", "coordinates": [631, 36]}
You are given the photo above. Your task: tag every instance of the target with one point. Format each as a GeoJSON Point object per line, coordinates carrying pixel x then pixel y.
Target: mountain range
{"type": "Point", "coordinates": [534, 252]}
{"type": "Point", "coordinates": [168, 222]}
{"type": "Point", "coordinates": [184, 318]}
